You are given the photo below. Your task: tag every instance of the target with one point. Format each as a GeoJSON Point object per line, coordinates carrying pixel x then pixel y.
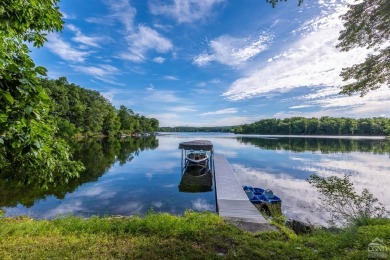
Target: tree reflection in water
{"type": "Point", "coordinates": [323, 145]}
{"type": "Point", "coordinates": [97, 156]}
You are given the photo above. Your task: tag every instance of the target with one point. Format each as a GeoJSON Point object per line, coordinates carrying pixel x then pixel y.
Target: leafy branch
{"type": "Point", "coordinates": [339, 199]}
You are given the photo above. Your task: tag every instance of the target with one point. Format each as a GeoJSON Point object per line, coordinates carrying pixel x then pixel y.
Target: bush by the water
{"type": "Point", "coordinates": [342, 204]}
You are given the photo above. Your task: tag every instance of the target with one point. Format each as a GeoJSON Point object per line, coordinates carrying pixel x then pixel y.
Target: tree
{"type": "Point", "coordinates": [126, 118]}
{"type": "Point", "coordinates": [26, 143]}
{"type": "Point", "coordinates": [154, 124]}
{"type": "Point", "coordinates": [367, 24]}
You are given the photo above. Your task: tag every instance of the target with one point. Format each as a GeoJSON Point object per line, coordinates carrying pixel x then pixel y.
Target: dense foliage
{"type": "Point", "coordinates": [88, 113]}
{"type": "Point", "coordinates": [318, 126]}
{"type": "Point", "coordinates": [27, 146]}
{"type": "Point", "coordinates": [367, 24]}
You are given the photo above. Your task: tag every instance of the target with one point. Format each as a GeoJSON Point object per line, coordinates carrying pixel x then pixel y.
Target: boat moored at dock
{"type": "Point", "coordinates": [263, 199]}
{"type": "Point", "coordinates": [196, 166]}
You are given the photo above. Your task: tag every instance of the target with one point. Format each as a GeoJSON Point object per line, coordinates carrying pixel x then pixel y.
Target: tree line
{"type": "Point", "coordinates": [323, 145]}
{"type": "Point", "coordinates": [318, 126]}
{"type": "Point", "coordinates": [84, 112]}
{"type": "Point", "coordinates": [223, 129]}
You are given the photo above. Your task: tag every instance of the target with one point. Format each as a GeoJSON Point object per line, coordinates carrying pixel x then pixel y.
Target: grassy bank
{"type": "Point", "coordinates": [164, 236]}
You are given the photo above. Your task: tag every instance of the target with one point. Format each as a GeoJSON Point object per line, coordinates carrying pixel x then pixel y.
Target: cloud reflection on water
{"type": "Point", "coordinates": [151, 179]}
{"type": "Point", "coordinates": [370, 171]}
{"type": "Point", "coordinates": [202, 205]}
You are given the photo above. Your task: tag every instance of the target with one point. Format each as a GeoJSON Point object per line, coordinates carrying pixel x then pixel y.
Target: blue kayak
{"type": "Point", "coordinates": [261, 196]}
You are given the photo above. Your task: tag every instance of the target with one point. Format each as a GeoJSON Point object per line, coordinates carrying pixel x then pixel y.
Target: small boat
{"type": "Point", "coordinates": [196, 158]}
{"type": "Point", "coordinates": [260, 196]}
{"type": "Point", "coordinates": [197, 166]}
{"type": "Point", "coordinates": [197, 161]}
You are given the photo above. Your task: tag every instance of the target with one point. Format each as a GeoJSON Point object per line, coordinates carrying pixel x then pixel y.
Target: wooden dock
{"type": "Point", "coordinates": [232, 202]}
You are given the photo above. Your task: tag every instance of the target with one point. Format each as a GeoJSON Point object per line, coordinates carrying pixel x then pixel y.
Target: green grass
{"type": "Point", "coordinates": [164, 236]}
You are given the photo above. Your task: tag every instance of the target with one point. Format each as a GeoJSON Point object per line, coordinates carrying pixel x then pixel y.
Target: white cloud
{"type": "Point", "coordinates": [221, 112]}
{"type": "Point", "coordinates": [374, 104]}
{"type": "Point", "coordinates": [63, 49]}
{"type": "Point", "coordinates": [233, 51]}
{"type": "Point", "coordinates": [163, 27]}
{"type": "Point", "coordinates": [313, 62]}
{"type": "Point", "coordinates": [142, 41]}
{"type": "Point", "coordinates": [300, 106]}
{"type": "Point", "coordinates": [68, 16]}
{"type": "Point", "coordinates": [182, 109]}
{"type": "Point", "coordinates": [150, 88]}
{"type": "Point", "coordinates": [375, 108]}
{"type": "Point", "coordinates": [164, 96]}
{"type": "Point", "coordinates": [215, 81]}
{"type": "Point", "coordinates": [310, 61]}
{"type": "Point", "coordinates": [203, 59]}
{"type": "Point", "coordinates": [98, 71]}
{"type": "Point", "coordinates": [159, 60]}
{"type": "Point", "coordinates": [185, 11]}
{"type": "Point", "coordinates": [147, 38]}
{"type": "Point", "coordinates": [122, 11]}
{"type": "Point", "coordinates": [81, 38]}
{"type": "Point", "coordinates": [170, 78]}
{"type": "Point", "coordinates": [107, 21]}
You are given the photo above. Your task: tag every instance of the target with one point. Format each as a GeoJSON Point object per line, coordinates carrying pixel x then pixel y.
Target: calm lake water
{"type": "Point", "coordinates": [138, 175]}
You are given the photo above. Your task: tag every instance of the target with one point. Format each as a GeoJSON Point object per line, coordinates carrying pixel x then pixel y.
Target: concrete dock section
{"type": "Point", "coordinates": [232, 202]}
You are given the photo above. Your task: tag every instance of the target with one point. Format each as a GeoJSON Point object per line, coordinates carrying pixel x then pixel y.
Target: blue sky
{"type": "Point", "coordinates": [209, 62]}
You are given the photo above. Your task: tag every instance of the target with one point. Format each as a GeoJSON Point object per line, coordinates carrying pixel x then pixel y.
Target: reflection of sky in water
{"type": "Point", "coordinates": [150, 180]}
{"type": "Point", "coordinates": [286, 173]}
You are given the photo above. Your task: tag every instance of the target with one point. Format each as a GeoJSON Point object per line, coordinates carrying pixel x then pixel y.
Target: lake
{"type": "Point", "coordinates": [135, 176]}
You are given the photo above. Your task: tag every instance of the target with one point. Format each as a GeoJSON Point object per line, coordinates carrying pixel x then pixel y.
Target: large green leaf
{"type": "Point", "coordinates": [3, 118]}
{"type": "Point", "coordinates": [37, 144]}
{"type": "Point", "coordinates": [44, 97]}
{"type": "Point", "coordinates": [7, 96]}
{"type": "Point", "coordinates": [41, 70]}
{"type": "Point", "coordinates": [28, 110]}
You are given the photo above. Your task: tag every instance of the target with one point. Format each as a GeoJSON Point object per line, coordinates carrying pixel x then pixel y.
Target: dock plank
{"type": "Point", "coordinates": [232, 202]}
